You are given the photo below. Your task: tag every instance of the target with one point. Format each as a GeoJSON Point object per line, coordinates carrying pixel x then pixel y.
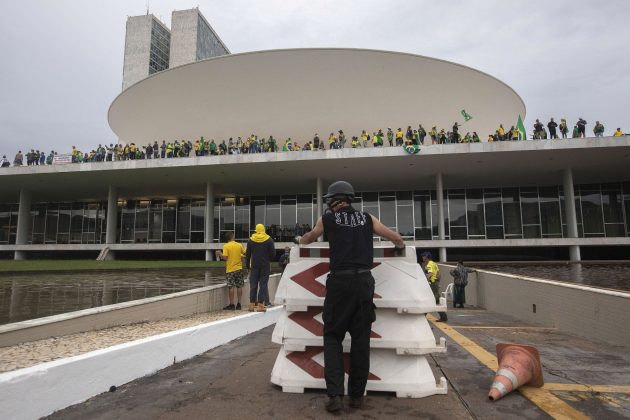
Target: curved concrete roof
{"type": "Point", "coordinates": [298, 92]}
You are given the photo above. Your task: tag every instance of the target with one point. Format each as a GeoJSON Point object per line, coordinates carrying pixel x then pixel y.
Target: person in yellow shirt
{"type": "Point", "coordinates": [399, 137]}
{"type": "Point", "coordinates": [432, 272]}
{"type": "Point", "coordinates": [501, 132]}
{"type": "Point", "coordinates": [618, 132]}
{"type": "Point", "coordinates": [233, 253]}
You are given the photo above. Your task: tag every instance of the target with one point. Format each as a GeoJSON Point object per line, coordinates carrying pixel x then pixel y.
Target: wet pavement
{"type": "Point", "coordinates": [583, 379]}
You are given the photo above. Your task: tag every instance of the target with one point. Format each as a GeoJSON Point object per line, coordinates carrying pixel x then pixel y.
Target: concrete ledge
{"type": "Point", "coordinates": [58, 384]}
{"type": "Point", "coordinates": [156, 308]}
{"type": "Point", "coordinates": [589, 312]}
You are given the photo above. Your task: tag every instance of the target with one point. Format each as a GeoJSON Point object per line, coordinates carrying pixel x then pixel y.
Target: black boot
{"type": "Point", "coordinates": [334, 404]}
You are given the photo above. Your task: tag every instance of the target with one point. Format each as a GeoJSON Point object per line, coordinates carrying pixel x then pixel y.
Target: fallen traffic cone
{"type": "Point", "coordinates": [518, 365]}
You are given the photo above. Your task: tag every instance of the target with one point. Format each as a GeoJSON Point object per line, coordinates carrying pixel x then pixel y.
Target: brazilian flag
{"type": "Point", "coordinates": [412, 149]}
{"type": "Point", "coordinates": [521, 128]}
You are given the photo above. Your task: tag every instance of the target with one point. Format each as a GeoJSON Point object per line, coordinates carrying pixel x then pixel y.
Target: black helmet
{"type": "Point", "coordinates": [340, 188]}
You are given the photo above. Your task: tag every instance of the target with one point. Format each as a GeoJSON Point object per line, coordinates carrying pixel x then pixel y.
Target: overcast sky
{"type": "Point", "coordinates": [61, 61]}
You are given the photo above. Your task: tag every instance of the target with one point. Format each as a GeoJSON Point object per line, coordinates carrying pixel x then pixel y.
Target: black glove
{"type": "Point", "coordinates": [399, 251]}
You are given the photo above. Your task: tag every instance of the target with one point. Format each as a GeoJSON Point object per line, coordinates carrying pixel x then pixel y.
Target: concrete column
{"type": "Point", "coordinates": [112, 215]}
{"type": "Point", "coordinates": [439, 193]}
{"type": "Point", "coordinates": [209, 233]}
{"type": "Point", "coordinates": [570, 213]}
{"type": "Point", "coordinates": [24, 223]}
{"type": "Point", "coordinates": [320, 202]}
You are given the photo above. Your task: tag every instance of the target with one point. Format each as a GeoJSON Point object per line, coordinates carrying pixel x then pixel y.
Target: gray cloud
{"type": "Point", "coordinates": [62, 60]}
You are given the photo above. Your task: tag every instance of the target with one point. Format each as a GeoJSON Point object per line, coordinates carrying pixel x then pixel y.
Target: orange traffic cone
{"type": "Point", "coordinates": [518, 365]}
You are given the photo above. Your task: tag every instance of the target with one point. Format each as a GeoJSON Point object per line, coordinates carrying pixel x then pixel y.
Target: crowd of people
{"type": "Point", "coordinates": [253, 144]}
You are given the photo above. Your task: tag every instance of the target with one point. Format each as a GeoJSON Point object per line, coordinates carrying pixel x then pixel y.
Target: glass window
{"type": "Point", "coordinates": [592, 217]}
{"type": "Point", "coordinates": [155, 221]}
{"type": "Point", "coordinates": [493, 211]}
{"type": "Point", "coordinates": [169, 220]}
{"type": "Point", "coordinates": [388, 212]}
{"type": "Point", "coordinates": [5, 223]}
{"type": "Point", "coordinates": [370, 204]}
{"type": "Point", "coordinates": [272, 217]}
{"type": "Point", "coordinates": [405, 220]}
{"type": "Point", "coordinates": [611, 201]}
{"type": "Point", "coordinates": [128, 220]}
{"type": "Point", "coordinates": [422, 210]}
{"type": "Point", "coordinates": [512, 213]}
{"type": "Point", "coordinates": [197, 216]}
{"type": "Point", "coordinates": [288, 214]}
{"type": "Point", "coordinates": [457, 209]}
{"type": "Point", "coordinates": [403, 198]}
{"type": "Point", "coordinates": [458, 232]}
{"type": "Point", "coordinates": [550, 218]}
{"type": "Point", "coordinates": [227, 214]}
{"type": "Point", "coordinates": [257, 214]}
{"type": "Point", "coordinates": [615, 230]}
{"type": "Point", "coordinates": [475, 213]}
{"type": "Point", "coordinates": [183, 221]}
{"type": "Point", "coordinates": [529, 206]}
{"type": "Point", "coordinates": [52, 218]}
{"type": "Point", "coordinates": [531, 231]}
{"type": "Point", "coordinates": [494, 232]}
{"type": "Point", "coordinates": [241, 218]}
{"type": "Point", "coordinates": [627, 208]}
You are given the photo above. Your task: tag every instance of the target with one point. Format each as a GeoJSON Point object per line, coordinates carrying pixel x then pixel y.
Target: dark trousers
{"type": "Point", "coordinates": [348, 307]}
{"type": "Point", "coordinates": [258, 280]}
{"type": "Point", "coordinates": [435, 288]}
{"type": "Point", "coordinates": [459, 295]}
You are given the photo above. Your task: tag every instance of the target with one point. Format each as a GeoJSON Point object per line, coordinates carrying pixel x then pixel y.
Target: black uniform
{"type": "Point", "coordinates": [348, 306]}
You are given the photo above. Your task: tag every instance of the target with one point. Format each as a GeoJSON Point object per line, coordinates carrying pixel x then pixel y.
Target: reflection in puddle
{"type": "Point", "coordinates": [610, 276]}
{"type": "Point", "coordinates": [28, 296]}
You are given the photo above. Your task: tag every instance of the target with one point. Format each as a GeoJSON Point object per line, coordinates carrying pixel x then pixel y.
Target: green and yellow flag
{"type": "Point", "coordinates": [521, 128]}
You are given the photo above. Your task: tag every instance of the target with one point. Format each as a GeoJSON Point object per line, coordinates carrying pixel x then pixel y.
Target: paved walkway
{"type": "Point", "coordinates": [583, 379]}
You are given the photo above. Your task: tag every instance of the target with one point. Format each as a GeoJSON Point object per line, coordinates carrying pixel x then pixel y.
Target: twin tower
{"type": "Point", "coordinates": [151, 47]}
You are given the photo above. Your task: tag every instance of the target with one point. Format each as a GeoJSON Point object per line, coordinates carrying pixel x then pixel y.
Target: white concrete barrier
{"type": "Point", "coordinates": [40, 390]}
{"type": "Point", "coordinates": [399, 282]}
{"type": "Point", "coordinates": [400, 335]}
{"type": "Point", "coordinates": [407, 334]}
{"type": "Point", "coordinates": [408, 377]}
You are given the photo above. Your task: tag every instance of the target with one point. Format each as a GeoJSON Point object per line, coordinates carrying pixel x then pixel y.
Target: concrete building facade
{"type": "Point", "coordinates": [193, 39]}
{"type": "Point", "coordinates": [147, 45]}
{"type": "Point", "coordinates": [555, 199]}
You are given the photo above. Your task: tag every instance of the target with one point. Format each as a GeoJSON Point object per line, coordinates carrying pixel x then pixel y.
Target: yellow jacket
{"type": "Point", "coordinates": [433, 271]}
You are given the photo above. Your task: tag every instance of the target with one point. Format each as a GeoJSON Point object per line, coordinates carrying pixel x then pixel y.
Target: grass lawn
{"type": "Point", "coordinates": [57, 265]}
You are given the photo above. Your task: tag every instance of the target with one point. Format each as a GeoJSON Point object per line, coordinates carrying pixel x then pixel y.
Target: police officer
{"type": "Point", "coordinates": [348, 305]}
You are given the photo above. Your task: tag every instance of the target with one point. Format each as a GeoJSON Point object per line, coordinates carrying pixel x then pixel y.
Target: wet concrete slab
{"type": "Point", "coordinates": [232, 381]}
